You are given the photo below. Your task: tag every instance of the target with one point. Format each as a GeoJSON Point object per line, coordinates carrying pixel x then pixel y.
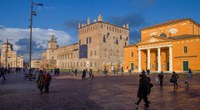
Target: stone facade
{"type": "Point", "coordinates": [100, 45]}
{"type": "Point", "coordinates": [9, 57]}
{"type": "Point", "coordinates": [170, 46]}
{"type": "Point", "coordinates": [35, 63]}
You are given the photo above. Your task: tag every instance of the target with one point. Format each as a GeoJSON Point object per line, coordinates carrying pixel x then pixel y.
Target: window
{"type": "Point", "coordinates": [86, 40]}
{"type": "Point", "coordinates": [104, 38]}
{"type": "Point", "coordinates": [163, 35]}
{"type": "Point", "coordinates": [127, 38]}
{"type": "Point", "coordinates": [117, 41]}
{"type": "Point", "coordinates": [90, 53]}
{"type": "Point", "coordinates": [125, 44]}
{"type": "Point", "coordinates": [132, 54]}
{"type": "Point", "coordinates": [95, 64]}
{"type": "Point", "coordinates": [185, 49]}
{"type": "Point", "coordinates": [90, 40]}
{"type": "Point", "coordinates": [108, 34]}
{"type": "Point", "coordinates": [90, 64]}
{"type": "Point", "coordinates": [120, 37]}
{"type": "Point", "coordinates": [95, 53]}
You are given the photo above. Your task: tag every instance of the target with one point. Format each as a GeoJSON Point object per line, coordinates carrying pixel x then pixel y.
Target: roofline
{"type": "Point", "coordinates": [132, 45]}
{"type": "Point", "coordinates": [161, 24]}
{"type": "Point", "coordinates": [103, 22]}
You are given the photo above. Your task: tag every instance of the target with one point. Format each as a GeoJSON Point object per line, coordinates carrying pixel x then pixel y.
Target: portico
{"type": "Point", "coordinates": [157, 58]}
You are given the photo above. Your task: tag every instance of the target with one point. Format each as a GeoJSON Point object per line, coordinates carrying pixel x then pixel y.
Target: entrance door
{"type": "Point", "coordinates": [132, 66]}
{"type": "Point", "coordinates": [185, 65]}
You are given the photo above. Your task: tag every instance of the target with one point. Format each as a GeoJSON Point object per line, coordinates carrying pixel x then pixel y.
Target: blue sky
{"type": "Point", "coordinates": [60, 17]}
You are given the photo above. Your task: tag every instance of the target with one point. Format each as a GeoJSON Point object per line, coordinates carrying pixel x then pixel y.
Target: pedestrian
{"type": "Point", "coordinates": [2, 73]}
{"type": "Point", "coordinates": [90, 73]}
{"type": "Point", "coordinates": [160, 77]}
{"type": "Point", "coordinates": [130, 72]}
{"type": "Point", "coordinates": [83, 74]}
{"type": "Point", "coordinates": [189, 73]}
{"type": "Point", "coordinates": [122, 70]}
{"type": "Point", "coordinates": [143, 72]}
{"type": "Point", "coordinates": [41, 81]}
{"type": "Point", "coordinates": [75, 72]}
{"type": "Point", "coordinates": [47, 82]}
{"type": "Point", "coordinates": [174, 79]}
{"type": "Point", "coordinates": [142, 91]}
{"type": "Point", "coordinates": [148, 71]}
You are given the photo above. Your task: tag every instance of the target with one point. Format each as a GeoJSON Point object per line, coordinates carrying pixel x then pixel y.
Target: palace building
{"type": "Point", "coordinates": [100, 45]}
{"type": "Point", "coordinates": [169, 46]}
{"type": "Point", "coordinates": [9, 57]}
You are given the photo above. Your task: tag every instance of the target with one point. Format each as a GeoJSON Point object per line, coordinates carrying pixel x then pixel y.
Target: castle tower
{"type": "Point", "coordinates": [52, 43]}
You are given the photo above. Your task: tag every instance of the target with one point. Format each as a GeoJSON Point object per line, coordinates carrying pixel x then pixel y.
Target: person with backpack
{"type": "Point", "coordinates": [47, 82]}
{"type": "Point", "coordinates": [174, 79]}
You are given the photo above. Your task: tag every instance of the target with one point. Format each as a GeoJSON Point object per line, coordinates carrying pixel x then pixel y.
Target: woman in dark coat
{"type": "Point", "coordinates": [41, 81]}
{"type": "Point", "coordinates": [143, 91]}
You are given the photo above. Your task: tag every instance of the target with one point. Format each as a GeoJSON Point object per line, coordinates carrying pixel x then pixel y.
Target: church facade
{"type": "Point", "coordinates": [169, 46]}
{"type": "Point", "coordinates": [9, 58]}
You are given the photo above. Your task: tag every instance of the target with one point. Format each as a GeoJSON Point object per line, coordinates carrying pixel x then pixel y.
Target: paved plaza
{"type": "Point", "coordinates": [113, 92]}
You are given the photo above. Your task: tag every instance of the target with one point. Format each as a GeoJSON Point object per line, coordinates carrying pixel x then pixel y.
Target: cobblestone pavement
{"type": "Point", "coordinates": [115, 92]}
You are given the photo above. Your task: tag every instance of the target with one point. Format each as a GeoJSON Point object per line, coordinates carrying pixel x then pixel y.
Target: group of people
{"type": "Point", "coordinates": [56, 71]}
{"type": "Point", "coordinates": [84, 73]}
{"type": "Point", "coordinates": [43, 81]}
{"type": "Point", "coordinates": [145, 84]}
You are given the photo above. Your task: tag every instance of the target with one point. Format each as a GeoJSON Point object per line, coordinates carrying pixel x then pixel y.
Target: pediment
{"type": "Point", "coordinates": [153, 39]}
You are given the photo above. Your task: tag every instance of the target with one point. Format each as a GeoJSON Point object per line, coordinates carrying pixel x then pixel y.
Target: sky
{"type": "Point", "coordinates": [61, 18]}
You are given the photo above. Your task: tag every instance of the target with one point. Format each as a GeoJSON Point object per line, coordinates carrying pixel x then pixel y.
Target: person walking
{"type": "Point", "coordinates": [142, 91]}
{"type": "Point", "coordinates": [83, 74]}
{"type": "Point", "coordinates": [160, 77]}
{"type": "Point", "coordinates": [41, 81]}
{"type": "Point", "coordinates": [90, 73]}
{"type": "Point", "coordinates": [75, 72]}
{"type": "Point", "coordinates": [47, 82]}
{"type": "Point", "coordinates": [175, 77]}
{"type": "Point", "coordinates": [2, 73]}
{"type": "Point", "coordinates": [189, 73]}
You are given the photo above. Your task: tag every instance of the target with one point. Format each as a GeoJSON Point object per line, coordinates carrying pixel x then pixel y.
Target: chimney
{"type": "Point", "coordinates": [88, 21]}
{"type": "Point", "coordinates": [95, 20]}
{"type": "Point", "coordinates": [127, 25]}
{"type": "Point", "coordinates": [79, 25]}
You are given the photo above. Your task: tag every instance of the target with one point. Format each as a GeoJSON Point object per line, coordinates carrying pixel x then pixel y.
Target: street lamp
{"type": "Point", "coordinates": [31, 21]}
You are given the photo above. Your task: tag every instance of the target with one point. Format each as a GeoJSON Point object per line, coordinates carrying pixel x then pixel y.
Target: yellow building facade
{"type": "Point", "coordinates": [170, 46]}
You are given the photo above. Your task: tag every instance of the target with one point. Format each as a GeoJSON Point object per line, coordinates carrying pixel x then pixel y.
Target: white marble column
{"type": "Point", "coordinates": [139, 60]}
{"type": "Point", "coordinates": [148, 59]}
{"type": "Point", "coordinates": [170, 59]}
{"type": "Point", "coordinates": [159, 61]}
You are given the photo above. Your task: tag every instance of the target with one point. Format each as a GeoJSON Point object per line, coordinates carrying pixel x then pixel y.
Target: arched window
{"type": "Point", "coordinates": [163, 35]}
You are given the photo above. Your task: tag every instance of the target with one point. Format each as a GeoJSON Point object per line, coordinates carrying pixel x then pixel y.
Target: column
{"type": "Point", "coordinates": [170, 59]}
{"type": "Point", "coordinates": [148, 59]}
{"type": "Point", "coordinates": [139, 60]}
{"type": "Point", "coordinates": [159, 61]}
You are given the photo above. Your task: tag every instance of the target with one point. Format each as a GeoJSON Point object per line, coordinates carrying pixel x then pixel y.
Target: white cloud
{"type": "Point", "coordinates": [40, 37]}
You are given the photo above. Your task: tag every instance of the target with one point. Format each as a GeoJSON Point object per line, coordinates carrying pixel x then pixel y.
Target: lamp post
{"type": "Point", "coordinates": [31, 24]}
